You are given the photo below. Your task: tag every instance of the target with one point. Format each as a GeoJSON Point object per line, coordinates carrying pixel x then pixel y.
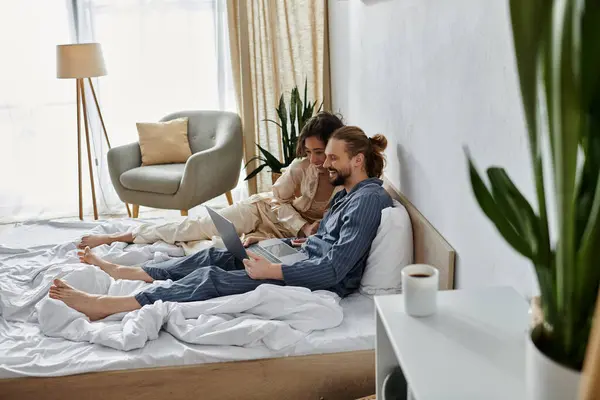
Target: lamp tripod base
{"type": "Point", "coordinates": [82, 109]}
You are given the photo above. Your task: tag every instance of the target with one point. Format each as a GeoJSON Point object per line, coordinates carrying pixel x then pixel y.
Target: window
{"type": "Point", "coordinates": [161, 56]}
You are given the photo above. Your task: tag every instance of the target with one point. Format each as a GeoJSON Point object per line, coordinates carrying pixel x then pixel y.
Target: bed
{"type": "Point", "coordinates": [334, 364]}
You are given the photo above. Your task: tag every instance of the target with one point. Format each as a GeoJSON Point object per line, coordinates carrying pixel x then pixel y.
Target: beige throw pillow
{"type": "Point", "coordinates": [164, 142]}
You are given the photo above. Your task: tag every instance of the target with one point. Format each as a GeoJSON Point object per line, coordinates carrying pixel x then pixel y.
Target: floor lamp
{"type": "Point", "coordinates": [80, 62]}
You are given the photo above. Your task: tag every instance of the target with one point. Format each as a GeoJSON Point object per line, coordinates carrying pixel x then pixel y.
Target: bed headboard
{"type": "Point", "coordinates": [430, 247]}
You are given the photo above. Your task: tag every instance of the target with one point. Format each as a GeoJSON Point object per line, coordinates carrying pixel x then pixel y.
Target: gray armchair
{"type": "Point", "coordinates": [213, 169]}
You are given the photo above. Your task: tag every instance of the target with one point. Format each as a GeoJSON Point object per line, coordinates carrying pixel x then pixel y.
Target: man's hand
{"type": "Point", "coordinates": [259, 268]}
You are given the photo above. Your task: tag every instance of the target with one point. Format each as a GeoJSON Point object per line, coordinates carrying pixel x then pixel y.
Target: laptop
{"type": "Point", "coordinates": [274, 250]}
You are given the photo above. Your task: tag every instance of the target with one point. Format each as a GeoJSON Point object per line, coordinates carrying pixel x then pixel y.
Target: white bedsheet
{"type": "Point", "coordinates": [25, 276]}
{"type": "Point", "coordinates": [271, 315]}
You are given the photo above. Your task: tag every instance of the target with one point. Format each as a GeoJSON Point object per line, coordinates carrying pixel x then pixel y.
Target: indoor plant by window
{"type": "Point", "coordinates": [557, 50]}
{"type": "Point", "coordinates": [296, 115]}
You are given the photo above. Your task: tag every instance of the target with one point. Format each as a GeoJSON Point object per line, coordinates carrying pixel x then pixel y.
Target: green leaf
{"type": "Point", "coordinates": [494, 213]}
{"type": "Point", "coordinates": [306, 113]}
{"type": "Point", "coordinates": [546, 71]}
{"type": "Point", "coordinates": [588, 250]}
{"type": "Point", "coordinates": [516, 209]}
{"type": "Point", "coordinates": [305, 90]}
{"type": "Point", "coordinates": [282, 113]}
{"type": "Point", "coordinates": [254, 158]}
{"type": "Point", "coordinates": [588, 180]}
{"type": "Point", "coordinates": [275, 122]}
{"type": "Point", "coordinates": [255, 172]}
{"type": "Point", "coordinates": [566, 131]}
{"type": "Point", "coordinates": [531, 22]}
{"type": "Point", "coordinates": [309, 110]}
{"type": "Point", "coordinates": [272, 161]}
{"type": "Point", "coordinates": [530, 19]}
{"type": "Point", "coordinates": [300, 114]}
{"type": "Point", "coordinates": [288, 151]}
{"type": "Point", "coordinates": [590, 138]}
{"type": "Point", "coordinates": [590, 53]}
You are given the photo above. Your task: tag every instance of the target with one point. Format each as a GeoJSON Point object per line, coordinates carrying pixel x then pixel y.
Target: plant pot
{"type": "Point", "coordinates": [275, 176]}
{"type": "Point", "coordinates": [546, 379]}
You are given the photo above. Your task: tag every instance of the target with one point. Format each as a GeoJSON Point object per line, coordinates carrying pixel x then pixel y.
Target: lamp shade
{"type": "Point", "coordinates": [82, 60]}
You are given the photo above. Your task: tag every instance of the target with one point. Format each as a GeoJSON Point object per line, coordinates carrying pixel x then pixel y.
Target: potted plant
{"type": "Point", "coordinates": [557, 50]}
{"type": "Point", "coordinates": [296, 115]}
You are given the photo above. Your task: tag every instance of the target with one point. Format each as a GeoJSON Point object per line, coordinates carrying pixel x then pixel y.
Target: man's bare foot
{"type": "Point", "coordinates": [88, 257]}
{"type": "Point", "coordinates": [85, 303]}
{"type": "Point", "coordinates": [92, 241]}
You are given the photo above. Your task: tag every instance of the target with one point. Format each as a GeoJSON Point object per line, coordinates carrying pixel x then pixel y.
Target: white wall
{"type": "Point", "coordinates": [434, 76]}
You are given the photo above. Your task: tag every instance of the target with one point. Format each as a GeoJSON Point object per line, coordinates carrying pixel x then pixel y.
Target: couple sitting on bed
{"type": "Point", "coordinates": [337, 247]}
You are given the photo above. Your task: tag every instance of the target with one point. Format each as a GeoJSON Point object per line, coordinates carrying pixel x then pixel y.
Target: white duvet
{"type": "Point", "coordinates": [273, 316]}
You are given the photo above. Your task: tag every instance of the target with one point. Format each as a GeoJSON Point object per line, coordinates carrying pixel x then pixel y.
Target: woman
{"type": "Point", "coordinates": [294, 208]}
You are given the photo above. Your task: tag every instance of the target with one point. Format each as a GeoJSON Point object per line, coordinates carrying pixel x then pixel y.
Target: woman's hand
{"type": "Point", "coordinates": [310, 229]}
{"type": "Point", "coordinates": [249, 241]}
{"type": "Point", "coordinates": [298, 242]}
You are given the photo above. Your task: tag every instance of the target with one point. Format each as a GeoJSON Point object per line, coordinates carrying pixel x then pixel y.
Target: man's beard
{"type": "Point", "coordinates": [340, 176]}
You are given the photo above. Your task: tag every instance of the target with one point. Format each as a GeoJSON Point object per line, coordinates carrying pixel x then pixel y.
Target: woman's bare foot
{"type": "Point", "coordinates": [88, 257]}
{"type": "Point", "coordinates": [85, 303]}
{"type": "Point", "coordinates": [92, 241]}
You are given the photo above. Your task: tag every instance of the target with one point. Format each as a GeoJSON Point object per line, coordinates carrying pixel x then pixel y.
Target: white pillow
{"type": "Point", "coordinates": [391, 250]}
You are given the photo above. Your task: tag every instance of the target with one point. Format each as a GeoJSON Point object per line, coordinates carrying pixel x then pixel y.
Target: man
{"type": "Point", "coordinates": [337, 253]}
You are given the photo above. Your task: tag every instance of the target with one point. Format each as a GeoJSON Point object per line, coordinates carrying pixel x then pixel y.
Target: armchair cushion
{"type": "Point", "coordinates": [164, 142]}
{"type": "Point", "coordinates": [163, 179]}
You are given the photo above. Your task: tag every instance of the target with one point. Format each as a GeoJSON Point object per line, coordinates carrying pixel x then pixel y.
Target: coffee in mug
{"type": "Point", "coordinates": [420, 275]}
{"type": "Point", "coordinates": [420, 286]}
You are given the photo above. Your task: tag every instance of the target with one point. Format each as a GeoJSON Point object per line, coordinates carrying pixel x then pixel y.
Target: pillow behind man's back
{"type": "Point", "coordinates": [391, 250]}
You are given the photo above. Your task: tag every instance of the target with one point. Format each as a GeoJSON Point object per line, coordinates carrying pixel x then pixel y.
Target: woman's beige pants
{"type": "Point", "coordinates": [250, 216]}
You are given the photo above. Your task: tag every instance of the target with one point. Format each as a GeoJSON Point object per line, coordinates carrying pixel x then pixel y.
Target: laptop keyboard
{"type": "Point", "coordinates": [263, 253]}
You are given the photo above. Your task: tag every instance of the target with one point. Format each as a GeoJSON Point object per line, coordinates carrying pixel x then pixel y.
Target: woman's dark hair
{"type": "Point", "coordinates": [372, 148]}
{"type": "Point", "coordinates": [320, 126]}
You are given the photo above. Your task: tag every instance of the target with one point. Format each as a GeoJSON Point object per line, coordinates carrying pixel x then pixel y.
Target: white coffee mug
{"type": "Point", "coordinates": [420, 286]}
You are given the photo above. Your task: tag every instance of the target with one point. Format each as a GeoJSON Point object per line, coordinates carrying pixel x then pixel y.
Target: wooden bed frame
{"type": "Point", "coordinates": [346, 375]}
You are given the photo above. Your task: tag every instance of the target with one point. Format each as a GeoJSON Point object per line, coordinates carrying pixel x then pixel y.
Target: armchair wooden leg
{"type": "Point", "coordinates": [184, 213]}
{"type": "Point", "coordinates": [229, 198]}
{"type": "Point", "coordinates": [128, 210]}
{"type": "Point", "coordinates": [136, 210]}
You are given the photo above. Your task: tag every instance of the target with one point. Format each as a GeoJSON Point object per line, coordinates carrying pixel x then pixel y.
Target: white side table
{"type": "Point", "coordinates": [472, 348]}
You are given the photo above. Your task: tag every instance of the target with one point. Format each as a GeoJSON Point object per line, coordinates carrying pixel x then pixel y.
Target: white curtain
{"type": "Point", "coordinates": [161, 56]}
{"type": "Point", "coordinates": [276, 45]}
